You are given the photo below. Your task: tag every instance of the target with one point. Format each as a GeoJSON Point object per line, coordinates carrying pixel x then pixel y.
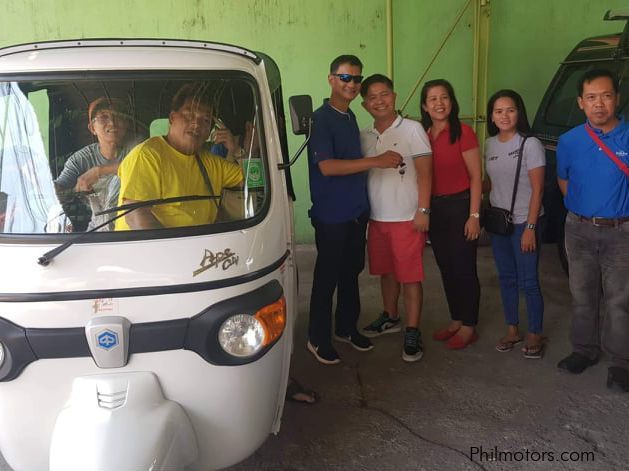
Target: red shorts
{"type": "Point", "coordinates": [397, 248]}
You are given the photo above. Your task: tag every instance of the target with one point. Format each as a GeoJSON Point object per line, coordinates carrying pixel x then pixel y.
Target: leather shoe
{"type": "Point", "coordinates": [576, 363]}
{"type": "Point", "coordinates": [444, 334]}
{"type": "Point", "coordinates": [617, 376]}
{"type": "Point", "coordinates": [457, 342]}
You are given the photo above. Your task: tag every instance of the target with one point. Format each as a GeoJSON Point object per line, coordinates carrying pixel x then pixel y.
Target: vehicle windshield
{"type": "Point", "coordinates": [563, 109]}
{"type": "Point", "coordinates": [72, 148]}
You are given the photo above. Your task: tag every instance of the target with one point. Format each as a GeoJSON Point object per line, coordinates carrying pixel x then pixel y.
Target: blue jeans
{"type": "Point", "coordinates": [517, 271]}
{"type": "Point", "coordinates": [598, 259]}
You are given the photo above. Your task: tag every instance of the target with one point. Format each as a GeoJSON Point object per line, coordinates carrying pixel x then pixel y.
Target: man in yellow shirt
{"type": "Point", "coordinates": [167, 166]}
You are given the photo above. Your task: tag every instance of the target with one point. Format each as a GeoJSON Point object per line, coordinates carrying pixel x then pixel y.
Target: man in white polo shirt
{"type": "Point", "coordinates": [400, 200]}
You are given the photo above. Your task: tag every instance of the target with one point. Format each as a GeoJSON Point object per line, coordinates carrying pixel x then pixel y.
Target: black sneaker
{"type": "Point", "coordinates": [412, 350]}
{"type": "Point", "coordinates": [324, 353]}
{"type": "Point", "coordinates": [384, 324]}
{"type": "Point", "coordinates": [576, 363]}
{"type": "Point", "coordinates": [359, 342]}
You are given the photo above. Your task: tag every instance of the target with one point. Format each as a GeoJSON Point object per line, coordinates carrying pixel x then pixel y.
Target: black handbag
{"type": "Point", "coordinates": [497, 220]}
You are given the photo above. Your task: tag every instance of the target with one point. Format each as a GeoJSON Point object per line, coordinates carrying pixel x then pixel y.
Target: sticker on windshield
{"type": "Point", "coordinates": [225, 259]}
{"type": "Point", "coordinates": [254, 172]}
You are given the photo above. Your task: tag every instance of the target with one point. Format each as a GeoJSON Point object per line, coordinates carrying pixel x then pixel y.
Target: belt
{"type": "Point", "coordinates": [461, 195]}
{"type": "Point", "coordinates": [603, 222]}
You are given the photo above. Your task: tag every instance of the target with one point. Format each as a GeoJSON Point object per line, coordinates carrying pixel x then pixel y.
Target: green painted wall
{"type": "Point", "coordinates": [527, 40]}
{"type": "Point", "coordinates": [419, 30]}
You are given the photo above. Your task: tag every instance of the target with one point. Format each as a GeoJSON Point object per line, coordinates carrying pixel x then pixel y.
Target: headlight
{"type": "Point", "coordinates": [241, 335]}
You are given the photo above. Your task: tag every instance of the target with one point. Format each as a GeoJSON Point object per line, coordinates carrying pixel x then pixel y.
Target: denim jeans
{"type": "Point", "coordinates": [598, 258]}
{"type": "Point", "coordinates": [340, 259]}
{"type": "Point", "coordinates": [517, 271]}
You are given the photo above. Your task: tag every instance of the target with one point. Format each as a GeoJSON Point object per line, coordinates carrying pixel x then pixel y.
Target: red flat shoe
{"type": "Point", "coordinates": [457, 342]}
{"type": "Point", "coordinates": [444, 334]}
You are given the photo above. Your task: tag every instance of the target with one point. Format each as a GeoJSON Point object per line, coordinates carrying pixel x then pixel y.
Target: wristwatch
{"type": "Point", "coordinates": [530, 226]}
{"type": "Point", "coordinates": [423, 210]}
{"type": "Point", "coordinates": [475, 215]}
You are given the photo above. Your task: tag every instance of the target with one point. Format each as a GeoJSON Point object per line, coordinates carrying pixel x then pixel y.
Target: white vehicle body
{"type": "Point", "coordinates": [158, 400]}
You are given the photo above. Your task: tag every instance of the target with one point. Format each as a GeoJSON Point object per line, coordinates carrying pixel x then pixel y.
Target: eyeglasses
{"type": "Point", "coordinates": [349, 78]}
{"type": "Point", "coordinates": [109, 117]}
{"type": "Point", "coordinates": [593, 97]}
{"type": "Point", "coordinates": [201, 118]}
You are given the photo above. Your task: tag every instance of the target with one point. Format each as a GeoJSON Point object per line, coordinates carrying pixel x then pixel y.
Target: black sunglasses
{"type": "Point", "coordinates": [349, 78]}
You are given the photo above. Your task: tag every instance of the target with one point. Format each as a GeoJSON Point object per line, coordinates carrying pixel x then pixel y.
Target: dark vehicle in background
{"type": "Point", "coordinates": [559, 112]}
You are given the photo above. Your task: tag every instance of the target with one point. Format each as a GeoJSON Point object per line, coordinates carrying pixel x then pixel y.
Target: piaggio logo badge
{"type": "Point", "coordinates": [107, 339]}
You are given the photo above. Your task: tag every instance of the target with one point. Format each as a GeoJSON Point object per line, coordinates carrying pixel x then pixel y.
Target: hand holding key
{"type": "Point", "coordinates": [389, 159]}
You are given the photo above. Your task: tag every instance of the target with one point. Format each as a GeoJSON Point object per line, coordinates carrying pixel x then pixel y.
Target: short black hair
{"type": "Point", "coordinates": [522, 125]}
{"type": "Point", "coordinates": [198, 92]}
{"type": "Point", "coordinates": [593, 74]}
{"type": "Point", "coordinates": [345, 59]}
{"type": "Point", "coordinates": [375, 78]}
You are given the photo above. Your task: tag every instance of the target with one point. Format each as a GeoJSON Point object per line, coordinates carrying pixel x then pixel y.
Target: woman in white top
{"type": "Point", "coordinates": [516, 255]}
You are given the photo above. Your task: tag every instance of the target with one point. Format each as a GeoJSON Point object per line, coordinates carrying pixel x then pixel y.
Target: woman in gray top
{"type": "Point", "coordinates": [516, 255]}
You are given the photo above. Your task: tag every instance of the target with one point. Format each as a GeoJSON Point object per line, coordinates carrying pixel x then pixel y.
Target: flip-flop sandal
{"type": "Point", "coordinates": [507, 345]}
{"type": "Point", "coordinates": [534, 352]}
{"type": "Point", "coordinates": [295, 392]}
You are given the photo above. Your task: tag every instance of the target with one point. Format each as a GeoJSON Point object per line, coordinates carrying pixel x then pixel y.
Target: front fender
{"type": "Point", "coordinates": [122, 422]}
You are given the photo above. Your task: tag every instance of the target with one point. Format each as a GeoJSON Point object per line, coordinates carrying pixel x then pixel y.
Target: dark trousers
{"type": "Point", "coordinates": [455, 256]}
{"type": "Point", "coordinates": [340, 259]}
{"type": "Point", "coordinates": [598, 259]}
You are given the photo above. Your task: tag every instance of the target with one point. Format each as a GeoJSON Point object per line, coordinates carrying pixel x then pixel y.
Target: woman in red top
{"type": "Point", "coordinates": [455, 207]}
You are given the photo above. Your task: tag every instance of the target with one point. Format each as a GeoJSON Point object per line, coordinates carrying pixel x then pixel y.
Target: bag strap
{"type": "Point", "coordinates": [206, 178]}
{"type": "Point", "coordinates": [619, 163]}
{"type": "Point", "coordinates": [517, 173]}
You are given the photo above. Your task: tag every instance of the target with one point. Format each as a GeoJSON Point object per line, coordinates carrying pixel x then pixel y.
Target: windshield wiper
{"type": "Point", "coordinates": [124, 209]}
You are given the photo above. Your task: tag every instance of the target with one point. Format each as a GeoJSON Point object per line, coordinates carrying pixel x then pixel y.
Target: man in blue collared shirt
{"type": "Point", "coordinates": [339, 213]}
{"type": "Point", "coordinates": [596, 195]}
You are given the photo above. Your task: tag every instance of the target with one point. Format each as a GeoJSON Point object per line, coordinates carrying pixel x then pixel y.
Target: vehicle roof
{"type": "Point", "coordinates": [128, 42]}
{"type": "Point", "coordinates": [131, 54]}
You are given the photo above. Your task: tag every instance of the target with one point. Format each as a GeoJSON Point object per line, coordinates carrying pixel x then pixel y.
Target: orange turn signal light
{"type": "Point", "coordinates": [273, 320]}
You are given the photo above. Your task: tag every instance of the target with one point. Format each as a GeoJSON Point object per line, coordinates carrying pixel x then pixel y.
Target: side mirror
{"type": "Point", "coordinates": [301, 119]}
{"type": "Point", "coordinates": [300, 113]}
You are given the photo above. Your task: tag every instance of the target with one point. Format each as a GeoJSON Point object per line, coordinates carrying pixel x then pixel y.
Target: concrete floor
{"type": "Point", "coordinates": [380, 413]}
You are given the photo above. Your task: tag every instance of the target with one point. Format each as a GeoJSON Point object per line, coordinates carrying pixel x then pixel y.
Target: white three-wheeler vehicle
{"type": "Point", "coordinates": [140, 348]}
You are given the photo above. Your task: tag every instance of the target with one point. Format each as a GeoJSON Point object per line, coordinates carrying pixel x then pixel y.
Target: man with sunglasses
{"type": "Point", "coordinates": [339, 212]}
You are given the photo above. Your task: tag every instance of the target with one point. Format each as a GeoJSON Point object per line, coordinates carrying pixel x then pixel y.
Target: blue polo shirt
{"type": "Point", "coordinates": [596, 186]}
{"type": "Point", "coordinates": [335, 199]}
